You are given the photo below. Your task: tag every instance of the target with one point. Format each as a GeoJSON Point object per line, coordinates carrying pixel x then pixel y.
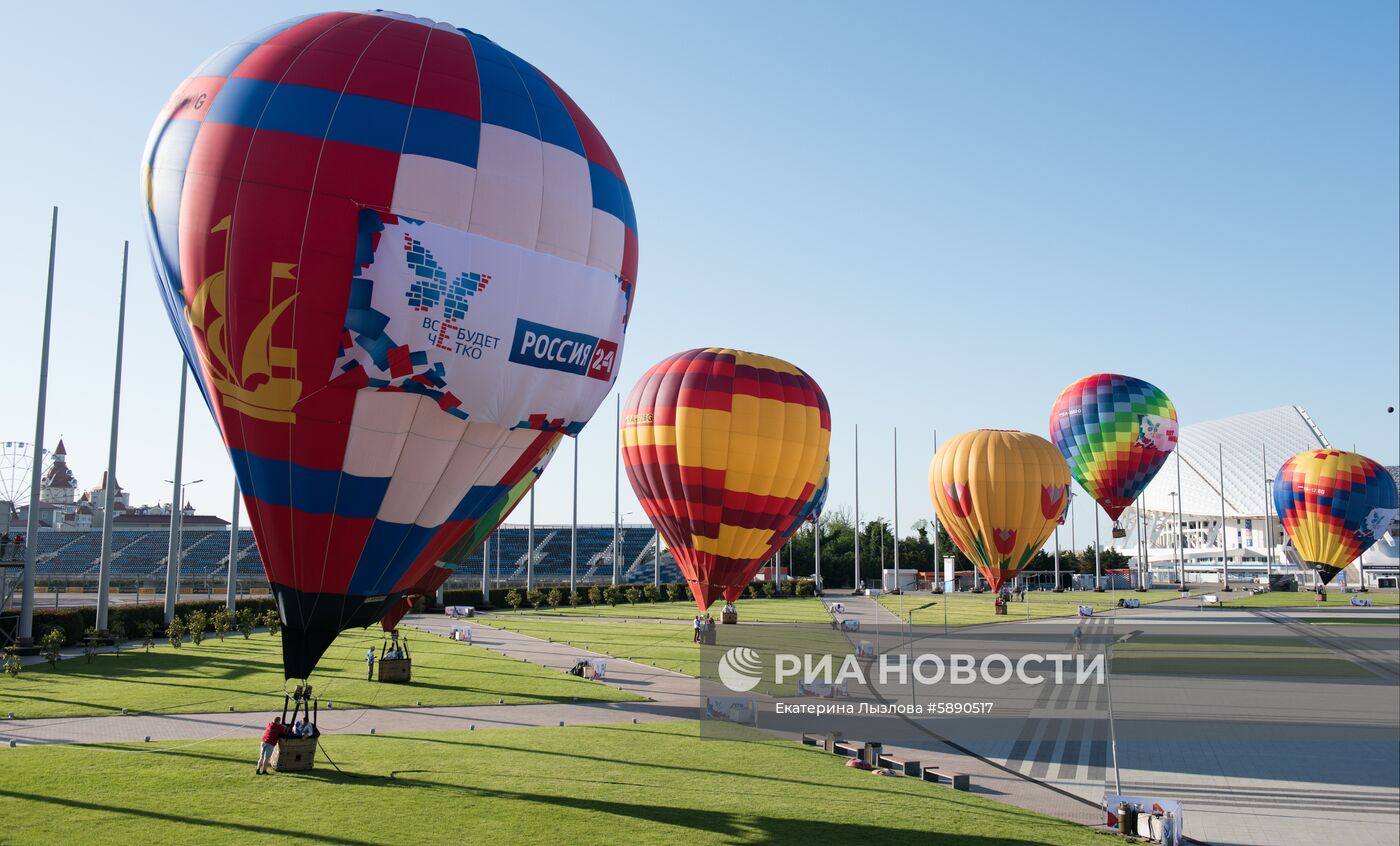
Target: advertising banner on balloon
{"type": "Point", "coordinates": [482, 326]}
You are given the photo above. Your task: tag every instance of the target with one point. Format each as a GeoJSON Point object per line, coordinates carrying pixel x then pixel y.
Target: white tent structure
{"type": "Point", "coordinates": [1228, 465]}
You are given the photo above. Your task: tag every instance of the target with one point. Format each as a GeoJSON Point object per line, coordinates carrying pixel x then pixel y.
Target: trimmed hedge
{"type": "Point", "coordinates": [472, 596]}
{"type": "Point", "coordinates": [75, 621]}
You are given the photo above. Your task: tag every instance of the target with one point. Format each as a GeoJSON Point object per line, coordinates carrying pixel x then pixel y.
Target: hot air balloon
{"type": "Point", "coordinates": [400, 260]}
{"type": "Point", "coordinates": [725, 451]}
{"type": "Point", "coordinates": [1333, 506]}
{"type": "Point", "coordinates": [1116, 433]}
{"type": "Point", "coordinates": [516, 485]}
{"type": "Point", "coordinates": [1000, 495]}
{"type": "Point", "coordinates": [810, 513]}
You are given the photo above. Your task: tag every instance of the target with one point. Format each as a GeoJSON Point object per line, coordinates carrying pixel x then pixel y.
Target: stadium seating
{"type": "Point", "coordinates": [140, 556]}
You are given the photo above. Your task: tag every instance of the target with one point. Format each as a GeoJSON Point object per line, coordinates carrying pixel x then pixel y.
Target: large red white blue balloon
{"type": "Point", "coordinates": [400, 260]}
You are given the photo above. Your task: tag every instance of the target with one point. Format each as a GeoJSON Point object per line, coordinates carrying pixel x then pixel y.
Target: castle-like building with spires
{"type": "Point", "coordinates": [64, 507]}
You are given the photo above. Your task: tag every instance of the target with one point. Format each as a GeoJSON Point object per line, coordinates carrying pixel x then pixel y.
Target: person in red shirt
{"type": "Point", "coordinates": [274, 732]}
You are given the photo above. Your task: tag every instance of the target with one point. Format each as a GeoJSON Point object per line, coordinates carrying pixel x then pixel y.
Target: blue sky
{"type": "Point", "coordinates": [945, 212]}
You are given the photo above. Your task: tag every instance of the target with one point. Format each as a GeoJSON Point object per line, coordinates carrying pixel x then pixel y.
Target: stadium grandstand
{"type": "Point", "coordinates": [1228, 466]}
{"type": "Point", "coordinates": [70, 559]}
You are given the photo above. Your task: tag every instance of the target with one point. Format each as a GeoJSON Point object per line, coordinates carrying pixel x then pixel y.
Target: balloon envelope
{"type": "Point", "coordinates": [1333, 505]}
{"type": "Point", "coordinates": [1000, 495]}
{"type": "Point", "coordinates": [725, 450]}
{"type": "Point", "coordinates": [1115, 432]}
{"type": "Point", "coordinates": [400, 260]}
{"type": "Point", "coordinates": [458, 557]}
{"type": "Point", "coordinates": [809, 514]}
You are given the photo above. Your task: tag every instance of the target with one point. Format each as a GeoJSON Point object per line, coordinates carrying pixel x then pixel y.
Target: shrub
{"type": "Point", "coordinates": [247, 621]}
{"type": "Point", "coordinates": [610, 595]}
{"type": "Point", "coordinates": [595, 595]}
{"type": "Point", "coordinates": [197, 622]}
{"type": "Point", "coordinates": [51, 644]}
{"type": "Point", "coordinates": [752, 591]}
{"type": "Point", "coordinates": [535, 598]}
{"type": "Point", "coordinates": [784, 589]}
{"type": "Point", "coordinates": [273, 621]}
{"type": "Point", "coordinates": [685, 589]}
{"type": "Point", "coordinates": [12, 664]}
{"type": "Point", "coordinates": [673, 591]}
{"type": "Point", "coordinates": [632, 594]}
{"type": "Point", "coordinates": [175, 631]}
{"type": "Point", "coordinates": [651, 592]}
{"type": "Point", "coordinates": [804, 588]}
{"type": "Point", "coordinates": [574, 598]}
{"type": "Point", "coordinates": [554, 597]}
{"type": "Point", "coordinates": [118, 633]}
{"type": "Point", "coordinates": [222, 620]}
{"type": "Point", "coordinates": [513, 599]}
{"type": "Point", "coordinates": [90, 642]}
{"type": "Point", "coordinates": [148, 633]}
{"type": "Point", "coordinates": [770, 590]}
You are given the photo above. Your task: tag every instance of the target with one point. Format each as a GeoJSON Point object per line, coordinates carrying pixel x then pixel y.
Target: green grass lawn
{"type": "Point", "coordinates": [1304, 599]}
{"type": "Point", "coordinates": [669, 646]}
{"type": "Point", "coordinates": [967, 609]}
{"type": "Point", "coordinates": [788, 610]}
{"type": "Point", "coordinates": [657, 783]}
{"type": "Point", "coordinates": [1244, 656]}
{"type": "Point", "coordinates": [247, 674]}
{"type": "Point", "coordinates": [1352, 621]}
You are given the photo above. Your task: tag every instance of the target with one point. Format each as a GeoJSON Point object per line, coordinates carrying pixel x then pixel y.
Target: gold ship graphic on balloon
{"type": "Point", "coordinates": [264, 385]}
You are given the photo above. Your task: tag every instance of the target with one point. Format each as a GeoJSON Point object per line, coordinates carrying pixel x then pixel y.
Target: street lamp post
{"type": "Point", "coordinates": [176, 553]}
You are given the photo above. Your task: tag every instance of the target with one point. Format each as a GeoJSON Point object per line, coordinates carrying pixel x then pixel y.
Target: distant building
{"type": "Point", "coordinates": [1253, 446]}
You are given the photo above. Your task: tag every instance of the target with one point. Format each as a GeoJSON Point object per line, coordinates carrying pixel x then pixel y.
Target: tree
{"type": "Point", "coordinates": [223, 622]}
{"type": "Point", "coordinates": [651, 592]}
{"type": "Point", "coordinates": [273, 621]}
{"type": "Point", "coordinates": [673, 591]}
{"type": "Point", "coordinates": [535, 598]}
{"type": "Point", "coordinates": [632, 594]}
{"type": "Point", "coordinates": [595, 595]}
{"type": "Point", "coordinates": [769, 589]}
{"type": "Point", "coordinates": [574, 599]}
{"type": "Point", "coordinates": [51, 646]}
{"type": "Point", "coordinates": [554, 597]}
{"type": "Point", "coordinates": [175, 631]}
{"type": "Point", "coordinates": [247, 621]}
{"type": "Point", "coordinates": [197, 621]}
{"type": "Point", "coordinates": [148, 634]}
{"type": "Point", "coordinates": [513, 599]}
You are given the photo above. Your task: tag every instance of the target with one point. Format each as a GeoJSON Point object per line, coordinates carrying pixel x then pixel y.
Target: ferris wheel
{"type": "Point", "coordinates": [16, 466]}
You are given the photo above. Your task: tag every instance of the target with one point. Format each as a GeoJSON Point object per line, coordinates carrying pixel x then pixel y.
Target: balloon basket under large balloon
{"type": "Point", "coordinates": [729, 618]}
{"type": "Point", "coordinates": [1000, 609]}
{"type": "Point", "coordinates": [295, 754]}
{"type": "Point", "coordinates": [1119, 531]}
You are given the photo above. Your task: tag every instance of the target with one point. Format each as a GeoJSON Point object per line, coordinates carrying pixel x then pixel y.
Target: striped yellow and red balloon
{"type": "Point", "coordinates": [724, 449]}
{"type": "Point", "coordinates": [1334, 505]}
{"type": "Point", "coordinates": [1000, 494]}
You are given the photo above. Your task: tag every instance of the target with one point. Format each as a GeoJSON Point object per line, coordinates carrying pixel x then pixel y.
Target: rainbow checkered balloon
{"type": "Point", "coordinates": [1333, 505]}
{"type": "Point", "coordinates": [1116, 433]}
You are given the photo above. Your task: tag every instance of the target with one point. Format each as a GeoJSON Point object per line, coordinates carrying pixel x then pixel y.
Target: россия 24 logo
{"type": "Point", "coordinates": [552, 348]}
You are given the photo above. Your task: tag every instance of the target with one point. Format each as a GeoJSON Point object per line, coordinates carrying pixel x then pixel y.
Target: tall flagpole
{"type": "Point", "coordinates": [937, 555]}
{"type": "Point", "coordinates": [1056, 589]}
{"type": "Point", "coordinates": [104, 566]}
{"type": "Point", "coordinates": [817, 552]}
{"type": "Point", "coordinates": [617, 488]}
{"type": "Point", "coordinates": [1268, 519]}
{"type": "Point", "coordinates": [857, 539]}
{"type": "Point", "coordinates": [25, 635]}
{"type": "Point", "coordinates": [573, 534]}
{"type": "Point", "coordinates": [656, 560]}
{"type": "Point", "coordinates": [1098, 567]}
{"type": "Point", "coordinates": [897, 585]}
{"type": "Point", "coordinates": [1224, 548]}
{"type": "Point", "coordinates": [232, 598]}
{"type": "Point", "coordinates": [177, 504]}
{"type": "Point", "coordinates": [486, 571]}
{"type": "Point", "coordinates": [530, 546]}
{"type": "Point", "coordinates": [1180, 529]}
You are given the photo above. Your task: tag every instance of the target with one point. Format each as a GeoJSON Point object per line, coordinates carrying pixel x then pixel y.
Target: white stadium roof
{"type": "Point", "coordinates": [1247, 439]}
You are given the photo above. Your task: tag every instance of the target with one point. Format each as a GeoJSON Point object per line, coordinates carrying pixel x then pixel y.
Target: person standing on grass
{"type": "Point", "coordinates": [369, 661]}
{"type": "Point", "coordinates": [274, 732]}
